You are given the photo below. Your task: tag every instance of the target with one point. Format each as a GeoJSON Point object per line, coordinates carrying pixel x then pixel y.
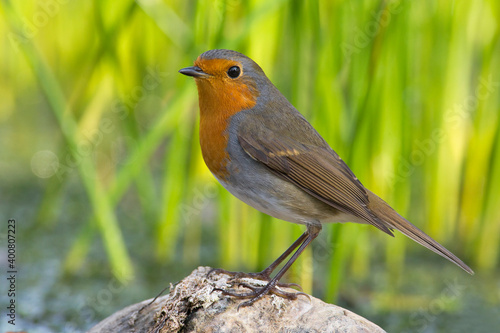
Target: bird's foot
{"type": "Point", "coordinates": [236, 277]}
{"type": "Point", "coordinates": [241, 275]}
{"type": "Point", "coordinates": [257, 293]}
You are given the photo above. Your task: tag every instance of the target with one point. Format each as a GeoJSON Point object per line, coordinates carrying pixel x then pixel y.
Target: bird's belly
{"type": "Point", "coordinates": [267, 203]}
{"type": "Point", "coordinates": [258, 187]}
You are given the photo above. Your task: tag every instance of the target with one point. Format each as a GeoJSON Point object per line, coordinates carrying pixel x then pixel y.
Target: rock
{"type": "Point", "coordinates": [193, 306]}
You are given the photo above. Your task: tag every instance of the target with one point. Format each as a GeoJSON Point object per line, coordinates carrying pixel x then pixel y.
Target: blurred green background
{"type": "Point", "coordinates": [102, 170]}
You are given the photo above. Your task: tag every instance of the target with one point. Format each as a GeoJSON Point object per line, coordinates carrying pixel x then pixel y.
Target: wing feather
{"type": "Point", "coordinates": [318, 171]}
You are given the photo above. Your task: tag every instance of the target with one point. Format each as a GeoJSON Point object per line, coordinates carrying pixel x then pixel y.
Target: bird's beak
{"type": "Point", "coordinates": [194, 71]}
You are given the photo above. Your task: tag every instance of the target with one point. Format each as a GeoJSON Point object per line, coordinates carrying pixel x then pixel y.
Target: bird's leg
{"type": "Point", "coordinates": [266, 273]}
{"type": "Point", "coordinates": [257, 293]}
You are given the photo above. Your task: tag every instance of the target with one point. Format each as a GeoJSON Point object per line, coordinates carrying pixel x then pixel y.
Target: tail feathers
{"type": "Point", "coordinates": [385, 213]}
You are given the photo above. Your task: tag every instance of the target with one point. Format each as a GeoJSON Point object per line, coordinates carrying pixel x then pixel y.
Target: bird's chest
{"type": "Point", "coordinates": [214, 141]}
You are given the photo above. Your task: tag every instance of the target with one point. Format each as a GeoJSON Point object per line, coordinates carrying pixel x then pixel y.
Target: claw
{"type": "Point", "coordinates": [290, 285]}
{"type": "Point", "coordinates": [258, 292]}
{"type": "Point", "coordinates": [245, 304]}
{"type": "Point", "coordinates": [273, 285]}
{"type": "Point", "coordinates": [246, 285]}
{"type": "Point", "coordinates": [288, 295]}
{"type": "Point", "coordinates": [235, 294]}
{"type": "Point", "coordinates": [240, 275]}
{"type": "Point", "coordinates": [219, 271]}
{"type": "Point", "coordinates": [262, 276]}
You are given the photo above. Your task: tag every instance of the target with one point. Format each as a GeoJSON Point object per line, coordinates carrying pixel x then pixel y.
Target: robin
{"type": "Point", "coordinates": [263, 151]}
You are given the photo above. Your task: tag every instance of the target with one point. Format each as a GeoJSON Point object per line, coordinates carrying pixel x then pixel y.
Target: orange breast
{"type": "Point", "coordinates": [220, 98]}
{"type": "Point", "coordinates": [213, 141]}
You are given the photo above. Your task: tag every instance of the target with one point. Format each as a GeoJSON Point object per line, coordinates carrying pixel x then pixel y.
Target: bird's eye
{"type": "Point", "coordinates": [234, 72]}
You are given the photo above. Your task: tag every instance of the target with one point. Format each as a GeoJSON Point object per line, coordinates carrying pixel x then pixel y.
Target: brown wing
{"type": "Point", "coordinates": [317, 170]}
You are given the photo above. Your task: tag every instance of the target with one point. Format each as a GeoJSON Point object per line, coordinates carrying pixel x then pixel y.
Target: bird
{"type": "Point", "coordinates": [265, 153]}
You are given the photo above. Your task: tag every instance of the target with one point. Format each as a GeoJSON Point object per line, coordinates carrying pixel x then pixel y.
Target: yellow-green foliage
{"type": "Point", "coordinates": [407, 92]}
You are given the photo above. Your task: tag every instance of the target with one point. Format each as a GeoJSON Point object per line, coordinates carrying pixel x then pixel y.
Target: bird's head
{"type": "Point", "coordinates": [227, 81]}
